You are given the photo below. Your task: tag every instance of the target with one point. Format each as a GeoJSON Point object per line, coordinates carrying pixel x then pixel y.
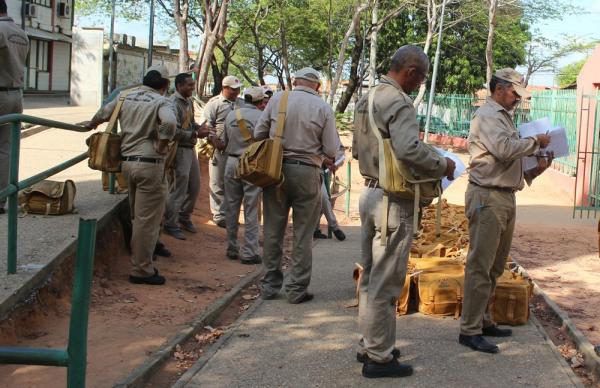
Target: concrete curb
{"type": "Point", "coordinates": [26, 293]}
{"type": "Point", "coordinates": [140, 375]}
{"type": "Point", "coordinates": [32, 130]}
{"type": "Point", "coordinates": [591, 359]}
{"type": "Point", "coordinates": [214, 348]}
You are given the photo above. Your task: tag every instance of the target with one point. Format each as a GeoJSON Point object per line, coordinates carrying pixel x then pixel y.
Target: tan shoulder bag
{"type": "Point", "coordinates": [49, 198]}
{"type": "Point", "coordinates": [243, 127]}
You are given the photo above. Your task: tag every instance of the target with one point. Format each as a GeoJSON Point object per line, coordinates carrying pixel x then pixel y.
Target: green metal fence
{"type": "Point", "coordinates": [451, 115]}
{"type": "Point", "coordinates": [74, 357]}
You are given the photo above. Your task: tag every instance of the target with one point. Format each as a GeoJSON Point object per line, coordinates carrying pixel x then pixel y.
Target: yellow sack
{"type": "Point", "coordinates": [441, 290]}
{"type": "Point", "coordinates": [49, 198]}
{"type": "Point", "coordinates": [260, 163]}
{"type": "Point", "coordinates": [510, 304]}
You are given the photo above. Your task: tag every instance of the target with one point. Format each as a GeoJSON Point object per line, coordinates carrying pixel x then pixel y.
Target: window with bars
{"type": "Point", "coordinates": [45, 3]}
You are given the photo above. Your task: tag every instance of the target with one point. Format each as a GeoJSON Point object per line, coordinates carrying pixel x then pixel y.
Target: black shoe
{"type": "Point", "coordinates": [231, 255]}
{"type": "Point", "coordinates": [339, 234]}
{"type": "Point", "coordinates": [154, 280]}
{"type": "Point", "coordinates": [306, 298]}
{"type": "Point", "coordinates": [188, 225]}
{"type": "Point", "coordinates": [251, 260]}
{"type": "Point", "coordinates": [495, 331]}
{"type": "Point", "coordinates": [161, 250]}
{"type": "Point", "coordinates": [478, 343]}
{"type": "Point", "coordinates": [363, 357]}
{"type": "Point", "coordinates": [319, 234]}
{"type": "Point", "coordinates": [175, 232]}
{"type": "Point", "coordinates": [221, 224]}
{"type": "Point", "coordinates": [393, 368]}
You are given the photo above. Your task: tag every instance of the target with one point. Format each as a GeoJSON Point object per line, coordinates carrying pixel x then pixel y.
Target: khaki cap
{"type": "Point", "coordinates": [232, 82]}
{"type": "Point", "coordinates": [308, 74]}
{"type": "Point", "coordinates": [515, 78]}
{"type": "Point", "coordinates": [164, 73]}
{"type": "Point", "coordinates": [256, 92]}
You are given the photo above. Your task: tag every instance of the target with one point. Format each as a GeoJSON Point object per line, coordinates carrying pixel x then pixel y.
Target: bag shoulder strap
{"type": "Point", "coordinates": [242, 124]}
{"type": "Point", "coordinates": [372, 123]}
{"type": "Point", "coordinates": [281, 114]}
{"type": "Point", "coordinates": [115, 114]}
{"type": "Point", "coordinates": [188, 117]}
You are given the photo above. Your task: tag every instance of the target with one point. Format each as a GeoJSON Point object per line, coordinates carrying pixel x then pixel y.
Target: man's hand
{"type": "Point", "coordinates": [543, 140]}
{"type": "Point", "coordinates": [216, 142]}
{"type": "Point", "coordinates": [329, 163]}
{"type": "Point", "coordinates": [161, 146]}
{"type": "Point", "coordinates": [202, 130]}
{"type": "Point", "coordinates": [543, 163]}
{"type": "Point", "coordinates": [194, 136]}
{"type": "Point", "coordinates": [450, 167]}
{"type": "Point", "coordinates": [88, 124]}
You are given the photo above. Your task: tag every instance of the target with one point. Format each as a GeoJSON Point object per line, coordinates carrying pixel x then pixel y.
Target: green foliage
{"type": "Point", "coordinates": [568, 74]}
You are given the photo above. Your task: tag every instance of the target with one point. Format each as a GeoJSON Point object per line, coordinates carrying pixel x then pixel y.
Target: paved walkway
{"type": "Point", "coordinates": [313, 344]}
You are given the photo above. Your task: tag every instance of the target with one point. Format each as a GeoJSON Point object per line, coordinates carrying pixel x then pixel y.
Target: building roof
{"type": "Point", "coordinates": [47, 35]}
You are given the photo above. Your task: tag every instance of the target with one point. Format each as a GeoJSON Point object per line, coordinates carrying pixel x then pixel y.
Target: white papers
{"type": "Point", "coordinates": [558, 142]}
{"type": "Point", "coordinates": [460, 166]}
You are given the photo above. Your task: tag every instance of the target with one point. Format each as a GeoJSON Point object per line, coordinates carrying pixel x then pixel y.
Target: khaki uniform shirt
{"type": "Point", "coordinates": [146, 116]}
{"type": "Point", "coordinates": [496, 149]}
{"type": "Point", "coordinates": [183, 108]}
{"type": "Point", "coordinates": [232, 135]}
{"type": "Point", "coordinates": [14, 45]}
{"type": "Point", "coordinates": [396, 118]}
{"type": "Point", "coordinates": [309, 132]}
{"type": "Point", "coordinates": [216, 111]}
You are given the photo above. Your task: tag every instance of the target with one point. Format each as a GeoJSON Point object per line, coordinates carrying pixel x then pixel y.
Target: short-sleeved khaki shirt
{"type": "Point", "coordinates": [184, 107]}
{"type": "Point", "coordinates": [232, 135]}
{"type": "Point", "coordinates": [396, 118]}
{"type": "Point", "coordinates": [146, 116]}
{"type": "Point", "coordinates": [496, 149]}
{"type": "Point", "coordinates": [14, 46]}
{"type": "Point", "coordinates": [309, 133]}
{"type": "Point", "coordinates": [216, 111]}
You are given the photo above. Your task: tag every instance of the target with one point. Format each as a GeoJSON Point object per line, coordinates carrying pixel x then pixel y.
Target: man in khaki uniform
{"type": "Point", "coordinates": [385, 265]}
{"type": "Point", "coordinates": [215, 112]}
{"type": "Point", "coordinates": [309, 139]}
{"type": "Point", "coordinates": [236, 141]}
{"type": "Point", "coordinates": [13, 51]}
{"type": "Point", "coordinates": [183, 195]}
{"type": "Point", "coordinates": [148, 122]}
{"type": "Point", "coordinates": [495, 174]}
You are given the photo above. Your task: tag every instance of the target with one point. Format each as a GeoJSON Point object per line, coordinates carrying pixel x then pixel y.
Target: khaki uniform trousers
{"type": "Point", "coordinates": [491, 215]}
{"type": "Point", "coordinates": [10, 102]}
{"type": "Point", "coordinates": [183, 194]}
{"type": "Point", "coordinates": [216, 173]}
{"type": "Point", "coordinates": [147, 196]}
{"type": "Point", "coordinates": [236, 191]}
{"type": "Point", "coordinates": [384, 271]}
{"type": "Point", "coordinates": [300, 191]}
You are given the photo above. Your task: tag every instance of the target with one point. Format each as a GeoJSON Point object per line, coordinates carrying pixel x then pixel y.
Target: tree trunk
{"type": "Point", "coordinates": [218, 75]}
{"type": "Point", "coordinates": [284, 55]}
{"type": "Point", "coordinates": [213, 32]}
{"type": "Point", "coordinates": [342, 55]}
{"type": "Point", "coordinates": [373, 53]}
{"type": "Point", "coordinates": [180, 14]}
{"type": "Point", "coordinates": [489, 47]}
{"type": "Point", "coordinates": [431, 24]}
{"type": "Point", "coordinates": [354, 79]}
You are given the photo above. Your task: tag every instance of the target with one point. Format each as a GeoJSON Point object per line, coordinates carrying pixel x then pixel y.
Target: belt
{"type": "Point", "coordinates": [504, 189]}
{"type": "Point", "coordinates": [142, 159]}
{"type": "Point", "coordinates": [7, 89]}
{"type": "Point", "coordinates": [372, 183]}
{"type": "Point", "coordinates": [234, 156]}
{"type": "Point", "coordinates": [185, 146]}
{"type": "Point", "coordinates": [299, 162]}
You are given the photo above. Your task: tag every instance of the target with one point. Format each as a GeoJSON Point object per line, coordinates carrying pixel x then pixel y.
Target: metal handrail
{"type": "Point", "coordinates": [14, 185]}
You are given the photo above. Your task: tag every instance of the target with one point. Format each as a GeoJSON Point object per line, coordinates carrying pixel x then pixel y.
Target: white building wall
{"type": "Point", "coordinates": [61, 57]}
{"type": "Point", "coordinates": [86, 67]}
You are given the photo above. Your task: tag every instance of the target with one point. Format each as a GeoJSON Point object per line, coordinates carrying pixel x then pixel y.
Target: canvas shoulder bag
{"type": "Point", "coordinates": [49, 198]}
{"type": "Point", "coordinates": [171, 158]}
{"type": "Point", "coordinates": [396, 178]}
{"type": "Point", "coordinates": [260, 163]}
{"type": "Point", "coordinates": [104, 152]}
{"type": "Point", "coordinates": [243, 127]}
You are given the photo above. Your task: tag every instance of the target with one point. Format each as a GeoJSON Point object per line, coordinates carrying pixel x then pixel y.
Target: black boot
{"type": "Point", "coordinates": [495, 331]}
{"type": "Point", "coordinates": [393, 368]}
{"type": "Point", "coordinates": [478, 343]}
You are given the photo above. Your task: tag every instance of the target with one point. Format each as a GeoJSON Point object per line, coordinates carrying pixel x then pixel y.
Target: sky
{"type": "Point", "coordinates": [584, 26]}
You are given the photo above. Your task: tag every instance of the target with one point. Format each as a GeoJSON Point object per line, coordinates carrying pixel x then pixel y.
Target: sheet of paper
{"type": "Point", "coordinates": [559, 143]}
{"type": "Point", "coordinates": [460, 167]}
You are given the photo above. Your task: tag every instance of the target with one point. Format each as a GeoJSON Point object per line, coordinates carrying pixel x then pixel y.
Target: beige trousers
{"type": "Point", "coordinates": [301, 191]}
{"type": "Point", "coordinates": [216, 173]}
{"type": "Point", "coordinates": [147, 196]}
{"type": "Point", "coordinates": [183, 195]}
{"type": "Point", "coordinates": [384, 271]}
{"type": "Point", "coordinates": [491, 215]}
{"type": "Point", "coordinates": [10, 102]}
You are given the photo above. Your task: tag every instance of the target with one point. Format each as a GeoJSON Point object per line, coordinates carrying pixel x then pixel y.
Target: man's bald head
{"type": "Point", "coordinates": [407, 56]}
{"type": "Point", "coordinates": [409, 67]}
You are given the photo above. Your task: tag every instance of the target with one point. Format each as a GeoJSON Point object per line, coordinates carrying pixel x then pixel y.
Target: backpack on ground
{"type": "Point", "coordinates": [440, 290]}
{"type": "Point", "coordinates": [48, 198]}
{"type": "Point", "coordinates": [510, 304]}
{"type": "Point", "coordinates": [260, 164]}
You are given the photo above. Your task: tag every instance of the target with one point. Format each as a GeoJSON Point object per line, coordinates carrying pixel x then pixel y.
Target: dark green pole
{"type": "Point", "coordinates": [80, 303]}
{"type": "Point", "coordinates": [13, 180]}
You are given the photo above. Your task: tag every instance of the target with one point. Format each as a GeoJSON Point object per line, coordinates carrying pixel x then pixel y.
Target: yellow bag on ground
{"type": "Point", "coordinates": [49, 198]}
{"type": "Point", "coordinates": [510, 304]}
{"type": "Point", "coordinates": [261, 163]}
{"type": "Point", "coordinates": [440, 290]}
